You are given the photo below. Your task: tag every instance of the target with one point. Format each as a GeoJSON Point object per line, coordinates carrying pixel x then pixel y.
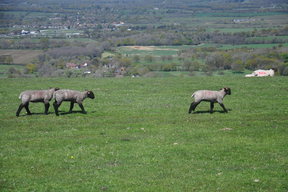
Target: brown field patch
{"type": "Point", "coordinates": [151, 48]}
{"type": "Point", "coordinates": [22, 56]}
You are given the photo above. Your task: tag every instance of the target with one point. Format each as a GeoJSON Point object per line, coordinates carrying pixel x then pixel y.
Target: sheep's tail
{"type": "Point", "coordinates": [20, 96]}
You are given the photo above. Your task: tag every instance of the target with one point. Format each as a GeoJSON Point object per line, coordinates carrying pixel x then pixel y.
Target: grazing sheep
{"type": "Point", "coordinates": [72, 96]}
{"type": "Point", "coordinates": [210, 96]}
{"type": "Point", "coordinates": [43, 96]}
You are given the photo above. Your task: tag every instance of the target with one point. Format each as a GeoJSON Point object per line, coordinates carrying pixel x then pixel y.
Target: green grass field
{"type": "Point", "coordinates": [138, 136]}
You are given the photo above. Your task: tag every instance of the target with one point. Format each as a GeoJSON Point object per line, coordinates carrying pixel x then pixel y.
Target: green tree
{"type": "Point", "coordinates": [125, 62]}
{"type": "Point", "coordinates": [30, 68]}
{"type": "Point", "coordinates": [44, 43]}
{"type": "Point", "coordinates": [136, 58]}
{"type": "Point", "coordinates": [148, 58]}
{"type": "Point", "coordinates": [237, 65]}
{"type": "Point", "coordinates": [187, 65]}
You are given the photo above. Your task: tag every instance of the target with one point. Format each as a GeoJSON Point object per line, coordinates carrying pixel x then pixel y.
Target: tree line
{"type": "Point", "coordinates": [205, 59]}
{"type": "Point", "coordinates": [156, 37]}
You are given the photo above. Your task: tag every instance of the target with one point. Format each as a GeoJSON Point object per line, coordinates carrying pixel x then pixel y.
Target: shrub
{"type": "Point", "coordinates": [283, 70]}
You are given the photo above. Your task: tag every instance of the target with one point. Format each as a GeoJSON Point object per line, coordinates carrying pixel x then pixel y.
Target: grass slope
{"type": "Point", "coordinates": [138, 136]}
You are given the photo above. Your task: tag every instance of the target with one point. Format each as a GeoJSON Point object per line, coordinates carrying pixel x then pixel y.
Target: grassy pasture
{"type": "Point", "coordinates": [138, 136]}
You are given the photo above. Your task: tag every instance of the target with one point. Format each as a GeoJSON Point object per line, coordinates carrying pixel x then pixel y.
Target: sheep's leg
{"type": "Point", "coordinates": [56, 106]}
{"type": "Point", "coordinates": [47, 105]}
{"type": "Point", "coordinates": [71, 106]}
{"type": "Point", "coordinates": [193, 106]}
{"type": "Point", "coordinates": [19, 109]}
{"type": "Point", "coordinates": [82, 108]}
{"type": "Point", "coordinates": [222, 105]}
{"type": "Point", "coordinates": [27, 108]}
{"type": "Point", "coordinates": [211, 107]}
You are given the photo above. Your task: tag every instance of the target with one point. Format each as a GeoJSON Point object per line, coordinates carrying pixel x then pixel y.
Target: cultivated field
{"type": "Point", "coordinates": [21, 56]}
{"type": "Point", "coordinates": [138, 136]}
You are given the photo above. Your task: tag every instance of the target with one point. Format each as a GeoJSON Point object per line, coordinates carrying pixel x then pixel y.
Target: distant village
{"type": "Point", "coordinates": [77, 29]}
{"type": "Point", "coordinates": [64, 31]}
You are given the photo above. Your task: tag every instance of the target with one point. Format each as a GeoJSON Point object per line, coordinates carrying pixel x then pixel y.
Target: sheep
{"type": "Point", "coordinates": [210, 96]}
{"type": "Point", "coordinates": [43, 96]}
{"type": "Point", "coordinates": [72, 96]}
{"type": "Point", "coordinates": [261, 73]}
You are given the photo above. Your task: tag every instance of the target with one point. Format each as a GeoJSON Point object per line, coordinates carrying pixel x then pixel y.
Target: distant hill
{"type": "Point", "coordinates": [145, 3]}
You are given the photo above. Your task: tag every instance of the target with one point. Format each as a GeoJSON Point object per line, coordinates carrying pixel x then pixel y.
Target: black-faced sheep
{"type": "Point", "coordinates": [210, 96]}
{"type": "Point", "coordinates": [33, 96]}
{"type": "Point", "coordinates": [72, 96]}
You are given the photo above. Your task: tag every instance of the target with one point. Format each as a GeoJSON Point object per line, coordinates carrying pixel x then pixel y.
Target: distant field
{"type": "Point", "coordinates": [251, 46]}
{"type": "Point", "coordinates": [25, 13]}
{"type": "Point", "coordinates": [138, 136]}
{"type": "Point", "coordinates": [21, 56]}
{"type": "Point", "coordinates": [173, 50]}
{"type": "Point", "coordinates": [239, 14]}
{"type": "Point", "coordinates": [231, 30]}
{"type": "Point", "coordinates": [149, 50]}
{"type": "Point", "coordinates": [269, 38]}
{"type": "Point", "coordinates": [224, 22]}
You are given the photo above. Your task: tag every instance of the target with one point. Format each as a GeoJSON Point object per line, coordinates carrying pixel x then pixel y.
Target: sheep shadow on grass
{"type": "Point", "coordinates": [26, 114]}
{"type": "Point", "coordinates": [73, 112]}
{"type": "Point", "coordinates": [214, 111]}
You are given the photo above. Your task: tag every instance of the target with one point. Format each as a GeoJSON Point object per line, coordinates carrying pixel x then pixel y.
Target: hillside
{"type": "Point", "coordinates": [138, 136]}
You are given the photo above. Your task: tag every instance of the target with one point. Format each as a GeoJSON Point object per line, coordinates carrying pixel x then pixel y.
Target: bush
{"type": "Point", "coordinates": [12, 72]}
{"type": "Point", "coordinates": [283, 70]}
{"type": "Point", "coordinates": [220, 73]}
{"type": "Point", "coordinates": [169, 67]}
{"type": "Point", "coordinates": [30, 68]}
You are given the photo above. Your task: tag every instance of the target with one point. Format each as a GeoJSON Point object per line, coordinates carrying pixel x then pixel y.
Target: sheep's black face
{"type": "Point", "coordinates": [227, 90]}
{"type": "Point", "coordinates": [56, 88]}
{"type": "Point", "coordinates": [90, 94]}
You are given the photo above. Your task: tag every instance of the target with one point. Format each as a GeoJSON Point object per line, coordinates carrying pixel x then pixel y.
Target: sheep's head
{"type": "Point", "coordinates": [227, 90]}
{"type": "Point", "coordinates": [90, 94]}
{"type": "Point", "coordinates": [54, 88]}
